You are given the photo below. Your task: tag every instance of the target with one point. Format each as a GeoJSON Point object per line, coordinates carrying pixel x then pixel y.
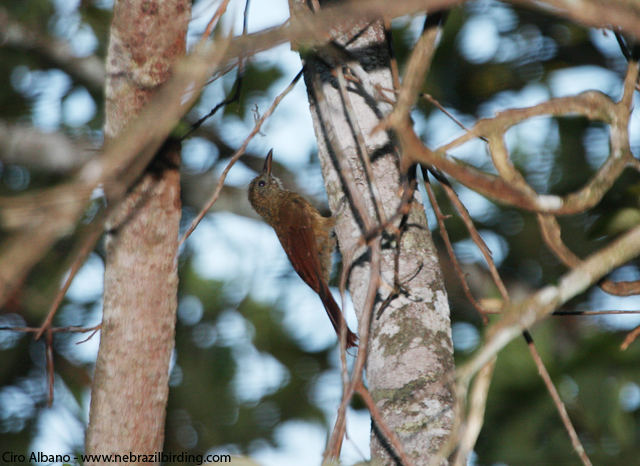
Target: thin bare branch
{"type": "Point", "coordinates": [335, 442]}
{"type": "Point", "coordinates": [417, 68]}
{"type": "Point", "coordinates": [520, 316]}
{"type": "Point", "coordinates": [592, 313]}
{"type": "Point", "coordinates": [440, 217]}
{"type": "Point", "coordinates": [222, 8]}
{"type": "Point", "coordinates": [562, 410]}
{"type": "Point", "coordinates": [50, 369]}
{"type": "Point", "coordinates": [477, 401]}
{"type": "Point", "coordinates": [591, 104]}
{"type": "Point", "coordinates": [477, 239]}
{"type": "Point", "coordinates": [631, 337]}
{"type": "Point", "coordinates": [49, 214]}
{"type": "Point", "coordinates": [552, 236]}
{"type": "Point", "coordinates": [439, 106]}
{"type": "Point", "coordinates": [382, 425]}
{"type": "Point", "coordinates": [239, 153]}
{"type": "Point", "coordinates": [86, 246]}
{"type": "Point", "coordinates": [622, 14]}
{"type": "Point", "coordinates": [362, 146]}
{"type": "Point", "coordinates": [70, 329]}
{"type": "Point", "coordinates": [346, 172]}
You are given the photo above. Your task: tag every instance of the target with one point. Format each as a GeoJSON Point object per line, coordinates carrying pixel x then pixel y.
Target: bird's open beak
{"type": "Point", "coordinates": [267, 163]}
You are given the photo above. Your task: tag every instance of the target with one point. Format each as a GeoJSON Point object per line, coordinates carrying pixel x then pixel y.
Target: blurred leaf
{"type": "Point", "coordinates": [257, 80]}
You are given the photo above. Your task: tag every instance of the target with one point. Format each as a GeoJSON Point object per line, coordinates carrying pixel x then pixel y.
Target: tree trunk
{"type": "Point", "coordinates": [130, 386]}
{"type": "Point", "coordinates": [410, 362]}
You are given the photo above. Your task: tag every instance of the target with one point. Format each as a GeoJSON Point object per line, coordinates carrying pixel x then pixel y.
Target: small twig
{"type": "Point", "coordinates": [591, 313]}
{"type": "Point", "coordinates": [507, 171]}
{"type": "Point", "coordinates": [395, 74]}
{"type": "Point", "coordinates": [238, 83]}
{"type": "Point", "coordinates": [84, 250]}
{"type": "Point", "coordinates": [335, 442]}
{"type": "Point", "coordinates": [232, 98]}
{"type": "Point", "coordinates": [95, 330]}
{"type": "Point", "coordinates": [362, 146]}
{"type": "Point", "coordinates": [477, 401]}
{"type": "Point", "coordinates": [447, 241]}
{"type": "Point", "coordinates": [542, 370]}
{"type": "Point", "coordinates": [402, 210]}
{"type": "Point", "coordinates": [417, 68]}
{"type": "Point", "coordinates": [439, 106]}
{"type": "Point", "coordinates": [222, 8]}
{"type": "Point", "coordinates": [631, 337]}
{"type": "Point", "coordinates": [49, 331]}
{"type": "Point", "coordinates": [398, 285]}
{"type": "Point", "coordinates": [50, 372]}
{"type": "Point", "coordinates": [70, 329]}
{"type": "Point", "coordinates": [623, 46]}
{"type": "Point", "coordinates": [345, 169]}
{"type": "Point", "coordinates": [347, 261]}
{"type": "Point", "coordinates": [524, 314]}
{"type": "Point", "coordinates": [630, 81]}
{"type": "Point", "coordinates": [475, 236]}
{"type": "Point", "coordinates": [245, 18]}
{"type": "Point", "coordinates": [382, 425]}
{"type": "Point", "coordinates": [256, 117]}
{"type": "Point", "coordinates": [552, 236]}
{"type": "Point", "coordinates": [239, 153]}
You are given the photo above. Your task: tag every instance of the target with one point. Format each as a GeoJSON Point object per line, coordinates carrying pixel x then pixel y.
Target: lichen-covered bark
{"type": "Point", "coordinates": [130, 386]}
{"type": "Point", "coordinates": [410, 362]}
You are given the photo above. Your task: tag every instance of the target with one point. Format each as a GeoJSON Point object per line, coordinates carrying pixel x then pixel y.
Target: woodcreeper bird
{"type": "Point", "coordinates": [304, 234]}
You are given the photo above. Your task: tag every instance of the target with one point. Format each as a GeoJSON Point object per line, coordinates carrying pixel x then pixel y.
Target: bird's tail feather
{"type": "Point", "coordinates": [335, 315]}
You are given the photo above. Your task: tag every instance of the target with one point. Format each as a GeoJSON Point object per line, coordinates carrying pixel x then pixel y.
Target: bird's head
{"type": "Point", "coordinates": [264, 189]}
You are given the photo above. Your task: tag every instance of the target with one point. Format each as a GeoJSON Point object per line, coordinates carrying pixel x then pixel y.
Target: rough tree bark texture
{"type": "Point", "coordinates": [410, 363]}
{"type": "Point", "coordinates": [130, 386]}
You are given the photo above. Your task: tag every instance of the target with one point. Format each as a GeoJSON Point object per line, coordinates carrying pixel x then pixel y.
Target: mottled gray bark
{"type": "Point", "coordinates": [410, 363]}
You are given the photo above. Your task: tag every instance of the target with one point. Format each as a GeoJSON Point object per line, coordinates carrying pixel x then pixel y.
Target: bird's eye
{"type": "Point", "coordinates": [261, 183]}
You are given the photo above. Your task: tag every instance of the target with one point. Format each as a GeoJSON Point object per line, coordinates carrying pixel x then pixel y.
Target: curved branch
{"type": "Point", "coordinates": [520, 316]}
{"type": "Point", "coordinates": [551, 234]}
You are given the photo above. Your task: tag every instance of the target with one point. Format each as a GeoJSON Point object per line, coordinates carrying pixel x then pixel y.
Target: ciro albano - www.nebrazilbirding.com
{"type": "Point", "coordinates": [10, 457]}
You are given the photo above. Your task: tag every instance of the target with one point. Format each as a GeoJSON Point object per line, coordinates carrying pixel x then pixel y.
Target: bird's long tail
{"type": "Point", "coordinates": [335, 314]}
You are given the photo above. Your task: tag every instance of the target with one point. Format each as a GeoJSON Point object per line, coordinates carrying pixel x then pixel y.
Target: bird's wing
{"type": "Point", "coordinates": [299, 242]}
